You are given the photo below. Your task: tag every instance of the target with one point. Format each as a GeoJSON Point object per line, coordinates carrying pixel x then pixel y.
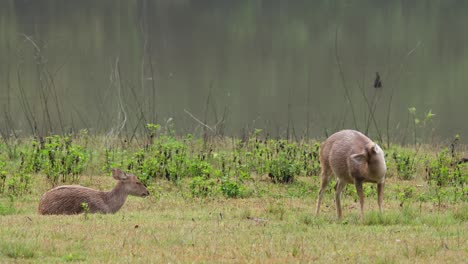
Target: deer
{"type": "Point", "coordinates": [76, 199]}
{"type": "Point", "coordinates": [352, 158]}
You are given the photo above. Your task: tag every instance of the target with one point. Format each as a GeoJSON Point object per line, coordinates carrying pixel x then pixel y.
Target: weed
{"type": "Point", "coordinates": [57, 156]}
{"type": "Point", "coordinates": [19, 183]}
{"type": "Point", "coordinates": [113, 158]}
{"type": "Point", "coordinates": [295, 250]}
{"type": "Point", "coordinates": [420, 123]}
{"type": "Point", "coordinates": [444, 171]}
{"type": "Point", "coordinates": [406, 193]}
{"type": "Point", "coordinates": [231, 189]}
{"type": "Point", "coordinates": [73, 257]}
{"type": "Point", "coordinates": [277, 210]}
{"type": "Point", "coordinates": [17, 250]}
{"type": "Point", "coordinates": [405, 163]}
{"type": "Point", "coordinates": [310, 160]}
{"type": "Point", "coordinates": [8, 208]}
{"type": "Point", "coordinates": [461, 214]}
{"type": "Point", "coordinates": [307, 219]}
{"type": "Point", "coordinates": [167, 157]}
{"type": "Point", "coordinates": [16, 184]}
{"type": "Point", "coordinates": [376, 218]}
{"type": "Point", "coordinates": [85, 207]}
{"type": "Point", "coordinates": [312, 220]}
{"type": "Point", "coordinates": [283, 167]}
{"type": "Point", "coordinates": [202, 187]}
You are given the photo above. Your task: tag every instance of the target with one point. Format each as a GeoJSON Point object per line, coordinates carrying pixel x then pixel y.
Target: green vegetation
{"type": "Point", "coordinates": [216, 167]}
{"type": "Point", "coordinates": [224, 199]}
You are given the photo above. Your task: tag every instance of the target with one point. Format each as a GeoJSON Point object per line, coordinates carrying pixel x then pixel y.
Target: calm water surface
{"type": "Point", "coordinates": [291, 68]}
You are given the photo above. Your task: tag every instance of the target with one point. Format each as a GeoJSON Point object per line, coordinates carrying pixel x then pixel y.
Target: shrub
{"type": "Point", "coordinates": [282, 170]}
{"type": "Point", "coordinates": [202, 187]}
{"type": "Point", "coordinates": [167, 157]}
{"type": "Point", "coordinates": [404, 163]}
{"type": "Point", "coordinates": [310, 159]}
{"type": "Point", "coordinates": [231, 189]}
{"type": "Point", "coordinates": [19, 184]}
{"type": "Point", "coordinates": [444, 171]}
{"type": "Point", "coordinates": [57, 156]}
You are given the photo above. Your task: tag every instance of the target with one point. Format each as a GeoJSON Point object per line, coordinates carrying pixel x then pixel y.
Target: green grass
{"type": "Point", "coordinates": [276, 227]}
{"type": "Point", "coordinates": [17, 249]}
{"type": "Point", "coordinates": [217, 203]}
{"type": "Point", "coordinates": [6, 208]}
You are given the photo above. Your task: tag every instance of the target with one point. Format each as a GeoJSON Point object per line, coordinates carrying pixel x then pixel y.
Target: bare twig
{"type": "Point", "coordinates": [205, 118]}
{"type": "Point", "coordinates": [57, 102]}
{"type": "Point", "coordinates": [28, 38]}
{"type": "Point", "coordinates": [40, 62]}
{"type": "Point", "coordinates": [372, 107]}
{"type": "Point", "coordinates": [115, 78]}
{"type": "Point", "coordinates": [198, 120]}
{"type": "Point", "coordinates": [119, 82]}
{"type": "Point", "coordinates": [25, 104]}
{"type": "Point", "coordinates": [347, 95]}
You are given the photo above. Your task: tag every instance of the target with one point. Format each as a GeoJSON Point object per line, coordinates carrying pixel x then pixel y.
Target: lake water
{"type": "Point", "coordinates": [292, 68]}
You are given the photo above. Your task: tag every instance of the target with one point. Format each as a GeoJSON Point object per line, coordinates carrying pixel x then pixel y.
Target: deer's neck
{"type": "Point", "coordinates": [116, 198]}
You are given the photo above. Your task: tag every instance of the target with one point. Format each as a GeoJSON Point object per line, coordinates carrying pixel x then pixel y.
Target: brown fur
{"type": "Point", "coordinates": [352, 158]}
{"type": "Point", "coordinates": [68, 199]}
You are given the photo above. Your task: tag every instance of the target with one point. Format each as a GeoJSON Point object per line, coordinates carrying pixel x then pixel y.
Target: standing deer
{"type": "Point", "coordinates": [69, 199]}
{"type": "Point", "coordinates": [352, 158]}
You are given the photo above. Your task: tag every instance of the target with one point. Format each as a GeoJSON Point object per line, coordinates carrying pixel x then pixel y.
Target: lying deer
{"type": "Point", "coordinates": [70, 199]}
{"type": "Point", "coordinates": [352, 158]}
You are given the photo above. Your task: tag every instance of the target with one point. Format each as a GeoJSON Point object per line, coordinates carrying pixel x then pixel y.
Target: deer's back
{"type": "Point", "coordinates": [337, 149]}
{"type": "Point", "coordinates": [68, 199]}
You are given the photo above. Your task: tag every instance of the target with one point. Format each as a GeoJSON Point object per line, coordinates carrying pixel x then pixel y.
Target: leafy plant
{"type": "Point", "coordinates": [310, 160]}
{"type": "Point", "coordinates": [405, 163]}
{"type": "Point", "coordinates": [166, 157]}
{"type": "Point", "coordinates": [405, 194]}
{"type": "Point", "coordinates": [19, 183]}
{"type": "Point", "coordinates": [73, 257]}
{"type": "Point", "coordinates": [420, 123]}
{"type": "Point", "coordinates": [231, 189]}
{"type": "Point", "coordinates": [85, 208]}
{"type": "Point", "coordinates": [57, 156]}
{"type": "Point", "coordinates": [445, 172]}
{"type": "Point", "coordinates": [113, 158]}
{"type": "Point", "coordinates": [8, 208]}
{"type": "Point", "coordinates": [282, 170]}
{"type": "Point", "coordinates": [202, 187]}
{"type": "Point", "coordinates": [16, 183]}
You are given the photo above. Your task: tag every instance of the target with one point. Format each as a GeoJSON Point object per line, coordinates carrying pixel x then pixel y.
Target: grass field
{"type": "Point", "coordinates": [276, 225]}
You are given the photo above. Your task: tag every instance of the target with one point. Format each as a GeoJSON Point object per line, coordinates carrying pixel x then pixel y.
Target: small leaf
{"type": "Point", "coordinates": [430, 114]}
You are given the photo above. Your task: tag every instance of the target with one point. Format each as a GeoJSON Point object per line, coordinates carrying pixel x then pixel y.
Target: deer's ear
{"type": "Point", "coordinates": [359, 158]}
{"type": "Point", "coordinates": [119, 174]}
{"type": "Point", "coordinates": [373, 149]}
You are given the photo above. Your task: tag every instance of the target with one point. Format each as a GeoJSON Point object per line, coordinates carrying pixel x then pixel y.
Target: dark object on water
{"type": "Point", "coordinates": [377, 82]}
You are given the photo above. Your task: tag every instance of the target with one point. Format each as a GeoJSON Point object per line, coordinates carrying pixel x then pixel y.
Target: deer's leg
{"type": "Point", "coordinates": [338, 189]}
{"type": "Point", "coordinates": [360, 193]}
{"type": "Point", "coordinates": [380, 192]}
{"type": "Point", "coordinates": [326, 177]}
